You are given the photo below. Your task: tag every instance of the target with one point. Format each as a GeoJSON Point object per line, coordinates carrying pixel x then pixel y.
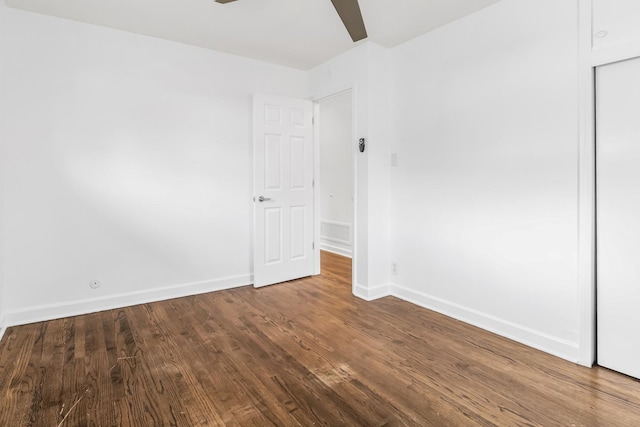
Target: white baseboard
{"type": "Point", "coordinates": [75, 308]}
{"type": "Point", "coordinates": [558, 347]}
{"type": "Point", "coordinates": [336, 250]}
{"type": "Point", "coordinates": [549, 344]}
{"type": "Point", "coordinates": [371, 294]}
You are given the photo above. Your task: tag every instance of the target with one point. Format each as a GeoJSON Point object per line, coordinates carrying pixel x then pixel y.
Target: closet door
{"type": "Point", "coordinates": [618, 216]}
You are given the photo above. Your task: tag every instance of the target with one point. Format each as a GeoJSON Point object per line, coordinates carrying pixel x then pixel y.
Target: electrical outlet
{"type": "Point", "coordinates": [394, 268]}
{"type": "Point", "coordinates": [394, 159]}
{"type": "Point", "coordinates": [94, 284]}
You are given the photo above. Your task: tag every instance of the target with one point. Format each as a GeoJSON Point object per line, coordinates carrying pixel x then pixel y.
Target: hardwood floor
{"type": "Point", "coordinates": [301, 353]}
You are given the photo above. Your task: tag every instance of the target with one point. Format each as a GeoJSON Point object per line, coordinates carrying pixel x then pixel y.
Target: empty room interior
{"type": "Point", "coordinates": [319, 212]}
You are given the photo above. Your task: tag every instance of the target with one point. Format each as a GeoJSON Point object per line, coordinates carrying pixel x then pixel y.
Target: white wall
{"type": "Point", "coordinates": [484, 200]}
{"type": "Point", "coordinates": [336, 173]}
{"type": "Point", "coordinates": [379, 169]}
{"type": "Point", "coordinates": [616, 30]}
{"type": "Point", "coordinates": [127, 159]}
{"type": "Point", "coordinates": [615, 22]}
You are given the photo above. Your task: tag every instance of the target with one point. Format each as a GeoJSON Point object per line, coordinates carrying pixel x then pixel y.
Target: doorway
{"type": "Point", "coordinates": [336, 175]}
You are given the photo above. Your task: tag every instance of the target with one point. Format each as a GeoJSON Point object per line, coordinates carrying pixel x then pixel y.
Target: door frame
{"type": "Point", "coordinates": [586, 188]}
{"type": "Point", "coordinates": [354, 171]}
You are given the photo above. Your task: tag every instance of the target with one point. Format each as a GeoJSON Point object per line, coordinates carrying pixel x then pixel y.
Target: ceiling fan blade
{"type": "Point", "coordinates": [224, 1]}
{"type": "Point", "coordinates": [349, 11]}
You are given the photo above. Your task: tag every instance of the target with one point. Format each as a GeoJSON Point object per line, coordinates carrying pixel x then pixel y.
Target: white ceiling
{"type": "Point", "coordinates": [294, 33]}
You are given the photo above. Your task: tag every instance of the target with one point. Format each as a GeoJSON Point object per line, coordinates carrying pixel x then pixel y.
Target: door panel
{"type": "Point", "coordinates": [273, 156]}
{"type": "Point", "coordinates": [298, 232]}
{"type": "Point", "coordinates": [273, 235]}
{"type": "Point", "coordinates": [618, 221]}
{"type": "Point", "coordinates": [283, 176]}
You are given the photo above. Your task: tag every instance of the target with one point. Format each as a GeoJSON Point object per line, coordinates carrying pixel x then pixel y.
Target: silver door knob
{"type": "Point", "coordinates": [263, 199]}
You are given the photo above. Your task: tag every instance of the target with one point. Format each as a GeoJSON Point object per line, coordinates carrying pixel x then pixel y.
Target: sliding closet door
{"type": "Point", "coordinates": [618, 220]}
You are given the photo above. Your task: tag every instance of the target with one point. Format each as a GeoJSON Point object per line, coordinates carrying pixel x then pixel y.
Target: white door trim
{"type": "Point", "coordinates": [586, 189]}
{"type": "Point", "coordinates": [316, 193]}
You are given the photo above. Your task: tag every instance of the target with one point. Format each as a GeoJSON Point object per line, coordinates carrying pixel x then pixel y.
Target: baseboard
{"type": "Point", "coordinates": [549, 344]}
{"type": "Point", "coordinates": [336, 250]}
{"type": "Point", "coordinates": [371, 294]}
{"type": "Point", "coordinates": [75, 308]}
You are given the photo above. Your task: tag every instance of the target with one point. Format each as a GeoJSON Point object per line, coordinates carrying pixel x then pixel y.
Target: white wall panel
{"type": "Point", "coordinates": [126, 159]}
{"type": "Point", "coordinates": [615, 22]}
{"type": "Point", "coordinates": [615, 32]}
{"type": "Point", "coordinates": [484, 198]}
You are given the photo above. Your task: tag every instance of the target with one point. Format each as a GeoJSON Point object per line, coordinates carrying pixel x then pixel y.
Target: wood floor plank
{"type": "Point", "coordinates": [306, 352]}
{"type": "Point", "coordinates": [47, 358]}
{"type": "Point", "coordinates": [240, 354]}
{"type": "Point", "coordinates": [204, 351]}
{"type": "Point", "coordinates": [359, 343]}
{"type": "Point", "coordinates": [18, 385]}
{"type": "Point", "coordinates": [259, 385]}
{"type": "Point", "coordinates": [295, 379]}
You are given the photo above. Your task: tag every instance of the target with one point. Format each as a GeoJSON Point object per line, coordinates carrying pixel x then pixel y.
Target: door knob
{"type": "Point", "coordinates": [263, 199]}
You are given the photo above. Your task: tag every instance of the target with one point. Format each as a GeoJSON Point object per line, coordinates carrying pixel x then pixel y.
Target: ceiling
{"type": "Point", "coordinates": [295, 33]}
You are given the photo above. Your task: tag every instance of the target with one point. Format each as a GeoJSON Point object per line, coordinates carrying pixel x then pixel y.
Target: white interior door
{"type": "Point", "coordinates": [283, 189]}
{"type": "Point", "coordinates": [618, 216]}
